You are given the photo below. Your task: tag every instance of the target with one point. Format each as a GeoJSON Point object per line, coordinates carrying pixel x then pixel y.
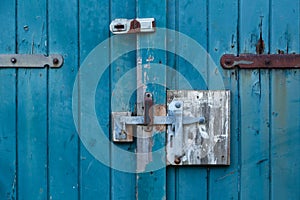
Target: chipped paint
{"type": "Point", "coordinates": [205, 143]}
{"type": "Point", "coordinates": [150, 58]}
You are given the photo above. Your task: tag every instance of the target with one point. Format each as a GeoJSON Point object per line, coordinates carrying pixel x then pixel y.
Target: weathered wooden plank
{"type": "Point", "coordinates": [32, 103]}
{"type": "Point", "coordinates": [254, 111]}
{"type": "Point", "coordinates": [63, 138]}
{"type": "Point", "coordinates": [172, 81]}
{"type": "Point", "coordinates": [200, 143]}
{"type": "Point", "coordinates": [191, 19]}
{"type": "Point", "coordinates": [123, 72]}
{"type": "Point", "coordinates": [151, 181]}
{"type": "Point", "coordinates": [93, 29]}
{"type": "Point", "coordinates": [285, 103]}
{"type": "Point", "coordinates": [222, 30]}
{"type": "Point", "coordinates": [8, 162]}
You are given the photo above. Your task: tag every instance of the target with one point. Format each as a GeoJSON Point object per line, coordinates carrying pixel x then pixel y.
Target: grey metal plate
{"type": "Point", "coordinates": [201, 144]}
{"type": "Point", "coordinates": [30, 60]}
{"type": "Point", "coordinates": [119, 132]}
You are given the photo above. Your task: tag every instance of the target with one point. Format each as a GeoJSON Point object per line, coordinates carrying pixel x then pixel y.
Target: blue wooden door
{"type": "Point", "coordinates": [41, 153]}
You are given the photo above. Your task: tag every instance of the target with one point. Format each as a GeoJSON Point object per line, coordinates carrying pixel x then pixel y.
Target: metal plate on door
{"type": "Point", "coordinates": [205, 143]}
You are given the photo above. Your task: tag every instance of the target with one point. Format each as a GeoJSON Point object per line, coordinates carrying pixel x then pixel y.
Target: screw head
{"type": "Point", "coordinates": [177, 160]}
{"type": "Point", "coordinates": [267, 62]}
{"type": "Point", "coordinates": [55, 61]}
{"type": "Point", "coordinates": [13, 60]}
{"type": "Point", "coordinates": [228, 61]}
{"type": "Point", "coordinates": [202, 120]}
{"type": "Point", "coordinates": [178, 105]}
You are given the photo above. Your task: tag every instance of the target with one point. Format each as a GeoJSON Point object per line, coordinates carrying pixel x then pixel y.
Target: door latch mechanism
{"type": "Point", "coordinates": [123, 121]}
{"type": "Point", "coordinates": [138, 25]}
{"type": "Point", "coordinates": [198, 126]}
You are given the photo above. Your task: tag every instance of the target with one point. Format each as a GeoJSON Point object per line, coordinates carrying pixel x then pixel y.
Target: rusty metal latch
{"type": "Point", "coordinates": [197, 122]}
{"type": "Point", "coordinates": [261, 61]}
{"type": "Point", "coordinates": [122, 131]}
{"type": "Point", "coordinates": [30, 61]}
{"type": "Point", "coordinates": [138, 25]}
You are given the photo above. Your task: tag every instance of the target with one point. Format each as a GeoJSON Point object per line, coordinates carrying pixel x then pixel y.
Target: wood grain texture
{"type": "Point", "coordinates": [63, 138]}
{"type": "Point", "coordinates": [285, 103]}
{"type": "Point", "coordinates": [123, 183]}
{"type": "Point", "coordinates": [150, 184]}
{"type": "Point", "coordinates": [223, 38]}
{"type": "Point", "coordinates": [93, 29]}
{"type": "Point", "coordinates": [8, 115]}
{"type": "Point", "coordinates": [41, 156]}
{"type": "Point", "coordinates": [191, 19]}
{"type": "Point", "coordinates": [254, 102]}
{"type": "Point", "coordinates": [32, 103]}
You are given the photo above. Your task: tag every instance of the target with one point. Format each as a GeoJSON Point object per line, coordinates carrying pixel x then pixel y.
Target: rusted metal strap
{"type": "Point", "coordinates": [261, 61]}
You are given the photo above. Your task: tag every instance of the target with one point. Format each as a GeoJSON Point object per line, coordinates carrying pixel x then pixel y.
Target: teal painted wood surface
{"type": "Point", "coordinates": [63, 159]}
{"type": "Point", "coordinates": [94, 177]}
{"type": "Point", "coordinates": [285, 106]}
{"type": "Point", "coordinates": [124, 67]}
{"type": "Point", "coordinates": [254, 96]}
{"type": "Point", "coordinates": [223, 38]}
{"type": "Point", "coordinates": [195, 177]}
{"type": "Point", "coordinates": [41, 155]}
{"type": "Point", "coordinates": [8, 114]}
{"type": "Point", "coordinates": [32, 102]}
{"type": "Point", "coordinates": [151, 184]}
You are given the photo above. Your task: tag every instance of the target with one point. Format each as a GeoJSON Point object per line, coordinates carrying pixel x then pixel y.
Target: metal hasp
{"type": "Point", "coordinates": [122, 129]}
{"type": "Point", "coordinates": [138, 25]}
{"type": "Point", "coordinates": [30, 61]}
{"type": "Point", "coordinates": [261, 61]}
{"type": "Point", "coordinates": [206, 143]}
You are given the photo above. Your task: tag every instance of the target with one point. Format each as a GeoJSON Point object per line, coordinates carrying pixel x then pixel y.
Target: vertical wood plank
{"type": "Point", "coordinates": [285, 106]}
{"type": "Point", "coordinates": [254, 94]}
{"type": "Point", "coordinates": [122, 182]}
{"type": "Point", "coordinates": [8, 163]}
{"type": "Point", "coordinates": [171, 184]}
{"type": "Point", "coordinates": [32, 103]}
{"type": "Point", "coordinates": [63, 138]}
{"type": "Point", "coordinates": [150, 185]}
{"type": "Point", "coordinates": [192, 21]}
{"type": "Point", "coordinates": [93, 24]}
{"type": "Point", "coordinates": [223, 22]}
{"type": "Point", "coordinates": [172, 81]}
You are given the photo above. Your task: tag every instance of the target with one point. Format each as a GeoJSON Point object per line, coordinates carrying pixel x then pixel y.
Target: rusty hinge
{"type": "Point", "coordinates": [30, 61]}
{"type": "Point", "coordinates": [261, 61]}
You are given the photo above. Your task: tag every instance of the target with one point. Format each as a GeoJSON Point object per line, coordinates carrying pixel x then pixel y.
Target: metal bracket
{"type": "Point", "coordinates": [30, 61]}
{"type": "Point", "coordinates": [198, 143]}
{"type": "Point", "coordinates": [138, 25]}
{"type": "Point", "coordinates": [198, 126]}
{"type": "Point", "coordinates": [123, 121]}
{"type": "Point", "coordinates": [261, 61]}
